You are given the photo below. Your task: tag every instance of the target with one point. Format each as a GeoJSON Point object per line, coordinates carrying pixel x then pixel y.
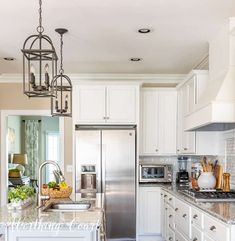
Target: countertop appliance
{"type": "Point", "coordinates": [155, 173]}
{"type": "Point", "coordinates": [182, 174]}
{"type": "Point", "coordinates": [209, 196]}
{"type": "Point", "coordinates": [111, 152]}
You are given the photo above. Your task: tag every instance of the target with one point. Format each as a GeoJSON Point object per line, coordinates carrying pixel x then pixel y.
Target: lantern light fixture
{"type": "Point", "coordinates": [61, 104]}
{"type": "Point", "coordinates": [39, 63]}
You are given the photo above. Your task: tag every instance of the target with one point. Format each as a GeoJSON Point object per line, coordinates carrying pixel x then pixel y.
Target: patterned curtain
{"type": "Point", "coordinates": [32, 147]}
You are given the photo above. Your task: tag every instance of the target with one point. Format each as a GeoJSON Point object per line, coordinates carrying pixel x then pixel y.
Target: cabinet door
{"type": "Point", "coordinates": [149, 211]}
{"type": "Point", "coordinates": [167, 113]}
{"type": "Point", "coordinates": [121, 104]}
{"type": "Point", "coordinates": [90, 104]}
{"type": "Point", "coordinates": [186, 140]}
{"type": "Point", "coordinates": [149, 122]}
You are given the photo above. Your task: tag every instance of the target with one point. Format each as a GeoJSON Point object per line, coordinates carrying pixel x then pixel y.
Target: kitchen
{"type": "Point", "coordinates": [152, 112]}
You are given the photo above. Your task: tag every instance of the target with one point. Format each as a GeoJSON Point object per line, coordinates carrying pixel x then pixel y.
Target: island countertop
{"type": "Point", "coordinates": [33, 216]}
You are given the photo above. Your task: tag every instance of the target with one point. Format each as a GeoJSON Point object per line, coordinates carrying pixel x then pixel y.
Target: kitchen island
{"type": "Point", "coordinates": [36, 224]}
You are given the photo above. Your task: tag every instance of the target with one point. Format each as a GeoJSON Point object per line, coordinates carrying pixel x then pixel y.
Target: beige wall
{"type": "Point", "coordinates": [12, 98]}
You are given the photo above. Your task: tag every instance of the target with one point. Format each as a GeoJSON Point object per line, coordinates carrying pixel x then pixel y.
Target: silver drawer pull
{"type": "Point", "coordinates": [195, 239]}
{"type": "Point", "coordinates": [170, 216]}
{"type": "Point", "coordinates": [176, 209]}
{"type": "Point", "coordinates": [184, 215]}
{"type": "Point", "coordinates": [185, 149]}
{"type": "Point", "coordinates": [213, 228]}
{"type": "Point", "coordinates": [195, 216]}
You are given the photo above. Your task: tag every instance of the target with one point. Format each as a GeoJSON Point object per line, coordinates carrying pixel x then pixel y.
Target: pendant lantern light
{"type": "Point", "coordinates": [61, 104]}
{"type": "Point", "coordinates": [39, 63]}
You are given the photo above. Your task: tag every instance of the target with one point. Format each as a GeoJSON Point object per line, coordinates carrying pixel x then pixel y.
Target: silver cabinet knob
{"type": "Point", "coordinates": [170, 199]}
{"type": "Point", "coordinates": [165, 195]}
{"type": "Point", "coordinates": [195, 239]}
{"type": "Point", "coordinates": [213, 228]}
{"type": "Point", "coordinates": [184, 215]}
{"type": "Point", "coordinates": [107, 118]}
{"type": "Point", "coordinates": [104, 118]}
{"type": "Point", "coordinates": [170, 239]}
{"type": "Point", "coordinates": [185, 148]}
{"type": "Point", "coordinates": [195, 217]}
{"type": "Point", "coordinates": [176, 209]}
{"type": "Point", "coordinates": [156, 150]}
{"type": "Point", "coordinates": [170, 216]}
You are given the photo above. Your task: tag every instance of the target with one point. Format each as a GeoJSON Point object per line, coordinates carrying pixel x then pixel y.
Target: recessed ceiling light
{"type": "Point", "coordinates": [9, 58]}
{"type": "Point", "coordinates": [135, 59]}
{"type": "Point", "coordinates": [144, 30]}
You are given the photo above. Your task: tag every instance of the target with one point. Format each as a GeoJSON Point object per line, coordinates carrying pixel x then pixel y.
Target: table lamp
{"type": "Point", "coordinates": [20, 159]}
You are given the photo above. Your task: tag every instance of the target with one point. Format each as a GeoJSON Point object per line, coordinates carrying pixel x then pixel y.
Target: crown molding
{"type": "Point", "coordinates": [77, 78]}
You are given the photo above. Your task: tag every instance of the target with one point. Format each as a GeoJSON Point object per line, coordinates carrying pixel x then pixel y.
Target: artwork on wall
{"type": "Point", "coordinates": [11, 136]}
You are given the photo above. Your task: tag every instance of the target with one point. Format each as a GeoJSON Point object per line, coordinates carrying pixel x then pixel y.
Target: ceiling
{"type": "Point", "coordinates": [103, 33]}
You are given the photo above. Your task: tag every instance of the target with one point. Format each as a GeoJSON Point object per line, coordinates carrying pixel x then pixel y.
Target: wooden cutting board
{"type": "Point", "coordinates": [218, 172]}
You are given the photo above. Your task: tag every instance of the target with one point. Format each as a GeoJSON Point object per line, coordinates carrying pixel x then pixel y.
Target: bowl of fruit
{"type": "Point", "coordinates": [54, 190]}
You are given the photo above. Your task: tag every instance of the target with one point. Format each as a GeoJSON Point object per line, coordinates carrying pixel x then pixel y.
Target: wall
{"type": "Point", "coordinates": [14, 122]}
{"type": "Point", "coordinates": [12, 98]}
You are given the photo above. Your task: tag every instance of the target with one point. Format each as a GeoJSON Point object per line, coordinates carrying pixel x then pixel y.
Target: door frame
{"type": "Point", "coordinates": [3, 141]}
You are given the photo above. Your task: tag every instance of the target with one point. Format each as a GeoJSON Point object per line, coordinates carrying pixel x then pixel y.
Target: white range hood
{"type": "Point", "coordinates": [215, 111]}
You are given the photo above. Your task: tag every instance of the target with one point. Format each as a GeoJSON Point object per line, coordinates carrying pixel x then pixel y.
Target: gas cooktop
{"type": "Point", "coordinates": [209, 196]}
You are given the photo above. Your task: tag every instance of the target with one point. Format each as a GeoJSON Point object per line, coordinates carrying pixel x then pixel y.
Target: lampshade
{"type": "Point", "coordinates": [20, 159]}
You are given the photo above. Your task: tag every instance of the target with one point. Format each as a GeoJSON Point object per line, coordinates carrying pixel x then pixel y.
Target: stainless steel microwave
{"type": "Point", "coordinates": [155, 173]}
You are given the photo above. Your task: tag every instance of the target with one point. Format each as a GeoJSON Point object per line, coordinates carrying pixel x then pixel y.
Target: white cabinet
{"type": "Point", "coordinates": [189, 93]}
{"type": "Point", "coordinates": [121, 104]}
{"type": "Point", "coordinates": [158, 121]}
{"type": "Point", "coordinates": [106, 104]}
{"type": "Point", "coordinates": [185, 140]}
{"type": "Point", "coordinates": [51, 235]}
{"type": "Point", "coordinates": [90, 104]}
{"type": "Point", "coordinates": [149, 211]}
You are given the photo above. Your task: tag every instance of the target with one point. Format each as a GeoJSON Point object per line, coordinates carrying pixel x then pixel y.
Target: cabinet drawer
{"type": "Point", "coordinates": [179, 237]}
{"type": "Point", "coordinates": [216, 230]}
{"type": "Point", "coordinates": [197, 218]}
{"type": "Point", "coordinates": [171, 200]}
{"type": "Point", "coordinates": [171, 235]}
{"type": "Point", "coordinates": [171, 218]}
{"type": "Point", "coordinates": [197, 235]}
{"type": "Point", "coordinates": [182, 218]}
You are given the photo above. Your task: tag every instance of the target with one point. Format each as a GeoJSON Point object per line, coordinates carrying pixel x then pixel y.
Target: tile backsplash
{"type": "Point", "coordinates": [229, 155]}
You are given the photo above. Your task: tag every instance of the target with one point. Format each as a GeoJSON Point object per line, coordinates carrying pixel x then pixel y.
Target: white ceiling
{"type": "Point", "coordinates": [103, 33]}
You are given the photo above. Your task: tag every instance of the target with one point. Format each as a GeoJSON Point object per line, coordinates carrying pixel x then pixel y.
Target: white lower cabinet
{"type": "Point", "coordinates": [149, 213]}
{"type": "Point", "coordinates": [180, 221]}
{"type": "Point", "coordinates": [39, 235]}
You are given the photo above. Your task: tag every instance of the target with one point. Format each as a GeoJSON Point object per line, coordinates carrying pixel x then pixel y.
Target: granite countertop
{"type": "Point", "coordinates": [37, 216]}
{"type": "Point", "coordinates": [224, 211]}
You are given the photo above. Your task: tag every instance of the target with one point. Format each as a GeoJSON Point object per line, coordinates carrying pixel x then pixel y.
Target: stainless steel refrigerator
{"type": "Point", "coordinates": [109, 154]}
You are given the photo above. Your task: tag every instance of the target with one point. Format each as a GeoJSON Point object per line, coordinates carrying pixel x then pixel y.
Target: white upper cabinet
{"type": "Point", "coordinates": [167, 114]}
{"type": "Point", "coordinates": [90, 104]}
{"type": "Point", "coordinates": [121, 104]}
{"type": "Point", "coordinates": [185, 140]}
{"type": "Point", "coordinates": [200, 143]}
{"type": "Point", "coordinates": [96, 104]}
{"type": "Point", "coordinates": [158, 121]}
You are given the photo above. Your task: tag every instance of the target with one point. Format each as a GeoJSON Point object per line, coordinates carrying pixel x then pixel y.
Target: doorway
{"type": "Point", "coordinates": [34, 134]}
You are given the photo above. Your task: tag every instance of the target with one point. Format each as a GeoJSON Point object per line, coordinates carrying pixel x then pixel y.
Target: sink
{"type": "Point", "coordinates": [68, 207]}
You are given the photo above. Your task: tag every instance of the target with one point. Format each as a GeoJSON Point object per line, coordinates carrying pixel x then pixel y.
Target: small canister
{"type": "Point", "coordinates": [226, 182]}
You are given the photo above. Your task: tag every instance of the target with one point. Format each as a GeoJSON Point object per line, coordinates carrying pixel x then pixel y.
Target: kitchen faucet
{"type": "Point", "coordinates": [41, 197]}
